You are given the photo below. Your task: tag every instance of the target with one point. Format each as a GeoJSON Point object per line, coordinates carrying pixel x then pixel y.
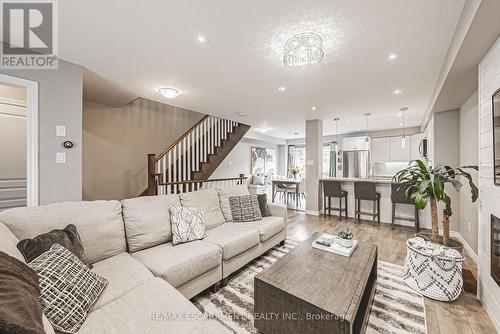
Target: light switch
{"type": "Point", "coordinates": [60, 131]}
{"type": "Point", "coordinates": [60, 158]}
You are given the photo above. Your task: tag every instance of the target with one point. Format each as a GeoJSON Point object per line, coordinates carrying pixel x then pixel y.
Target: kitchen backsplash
{"type": "Point", "coordinates": [387, 169]}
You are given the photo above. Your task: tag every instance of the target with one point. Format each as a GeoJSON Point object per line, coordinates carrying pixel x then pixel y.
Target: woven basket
{"type": "Point", "coordinates": [436, 276]}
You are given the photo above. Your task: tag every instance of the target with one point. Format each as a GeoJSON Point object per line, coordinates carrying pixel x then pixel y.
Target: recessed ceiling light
{"type": "Point", "coordinates": [399, 114]}
{"type": "Point", "coordinates": [397, 91]}
{"type": "Point", "coordinates": [282, 88]}
{"type": "Point", "coordinates": [203, 39]}
{"type": "Point", "coordinates": [393, 56]}
{"type": "Point", "coordinates": [168, 92]}
{"type": "Point", "coordinates": [313, 108]}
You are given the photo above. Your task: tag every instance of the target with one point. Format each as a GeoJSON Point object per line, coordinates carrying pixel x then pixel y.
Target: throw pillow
{"type": "Point", "coordinates": [67, 237]}
{"type": "Point", "coordinates": [264, 208]}
{"type": "Point", "coordinates": [68, 288]}
{"type": "Point", "coordinates": [20, 309]}
{"type": "Point", "coordinates": [258, 180]}
{"type": "Point", "coordinates": [245, 208]}
{"type": "Point", "coordinates": [187, 224]}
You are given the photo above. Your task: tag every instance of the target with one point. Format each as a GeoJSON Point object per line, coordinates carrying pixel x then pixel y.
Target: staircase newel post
{"type": "Point", "coordinates": [152, 188]}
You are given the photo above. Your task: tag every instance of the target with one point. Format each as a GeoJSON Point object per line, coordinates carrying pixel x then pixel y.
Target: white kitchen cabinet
{"type": "Point", "coordinates": [356, 144]}
{"type": "Point", "coordinates": [380, 149]}
{"type": "Point", "coordinates": [349, 144]}
{"type": "Point", "coordinates": [397, 152]}
{"type": "Point", "coordinates": [415, 145]}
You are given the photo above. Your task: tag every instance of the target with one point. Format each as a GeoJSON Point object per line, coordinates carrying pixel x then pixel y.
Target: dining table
{"type": "Point", "coordinates": [293, 184]}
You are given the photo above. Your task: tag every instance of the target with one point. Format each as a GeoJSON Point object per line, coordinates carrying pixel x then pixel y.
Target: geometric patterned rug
{"type": "Point", "coordinates": [396, 308]}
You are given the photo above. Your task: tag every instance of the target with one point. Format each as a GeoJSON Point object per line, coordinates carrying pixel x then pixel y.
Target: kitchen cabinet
{"type": "Point", "coordinates": [380, 149]}
{"type": "Point", "coordinates": [415, 146]}
{"type": "Point", "coordinates": [398, 153]}
{"type": "Point", "coordinates": [356, 144]}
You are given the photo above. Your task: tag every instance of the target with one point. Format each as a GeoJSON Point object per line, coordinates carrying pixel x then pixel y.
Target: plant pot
{"type": "Point", "coordinates": [345, 242]}
{"type": "Point", "coordinates": [454, 243]}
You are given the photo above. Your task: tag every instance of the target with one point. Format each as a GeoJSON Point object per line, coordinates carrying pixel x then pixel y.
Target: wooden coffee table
{"type": "Point", "coordinates": [314, 291]}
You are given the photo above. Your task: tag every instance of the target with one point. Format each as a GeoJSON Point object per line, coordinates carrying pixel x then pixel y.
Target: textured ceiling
{"type": "Point", "coordinates": [138, 45]}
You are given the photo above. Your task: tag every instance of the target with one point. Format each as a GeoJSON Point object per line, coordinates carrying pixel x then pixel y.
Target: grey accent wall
{"type": "Point", "coordinates": [59, 103]}
{"type": "Point", "coordinates": [468, 155]}
{"type": "Point", "coordinates": [117, 141]}
{"type": "Point", "coordinates": [314, 164]}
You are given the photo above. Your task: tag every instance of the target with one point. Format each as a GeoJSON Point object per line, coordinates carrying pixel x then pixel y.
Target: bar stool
{"type": "Point", "coordinates": [334, 189]}
{"type": "Point", "coordinates": [398, 196]}
{"type": "Point", "coordinates": [366, 191]}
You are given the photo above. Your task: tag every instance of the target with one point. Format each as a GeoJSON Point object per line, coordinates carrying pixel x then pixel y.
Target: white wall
{"type": "Point", "coordinates": [60, 103]}
{"type": "Point", "coordinates": [468, 153]}
{"type": "Point", "coordinates": [489, 198]}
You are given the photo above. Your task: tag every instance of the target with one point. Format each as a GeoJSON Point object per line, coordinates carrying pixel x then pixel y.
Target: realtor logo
{"type": "Point", "coordinates": [29, 34]}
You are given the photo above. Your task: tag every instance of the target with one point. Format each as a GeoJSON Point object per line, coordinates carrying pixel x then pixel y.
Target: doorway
{"type": "Point", "coordinates": [18, 142]}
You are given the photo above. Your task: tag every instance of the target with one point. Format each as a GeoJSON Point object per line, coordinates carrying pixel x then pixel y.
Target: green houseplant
{"type": "Point", "coordinates": [425, 184]}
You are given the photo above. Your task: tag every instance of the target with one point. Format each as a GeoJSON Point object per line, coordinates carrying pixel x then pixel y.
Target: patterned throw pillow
{"type": "Point", "coordinates": [187, 224]}
{"type": "Point", "coordinates": [68, 288]}
{"type": "Point", "coordinates": [245, 208]}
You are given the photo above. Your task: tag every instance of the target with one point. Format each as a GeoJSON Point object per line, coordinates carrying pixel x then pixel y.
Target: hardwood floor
{"type": "Point", "coordinates": [465, 315]}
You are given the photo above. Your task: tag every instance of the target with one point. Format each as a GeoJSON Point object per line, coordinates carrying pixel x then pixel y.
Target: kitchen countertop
{"type": "Point", "coordinates": [382, 180]}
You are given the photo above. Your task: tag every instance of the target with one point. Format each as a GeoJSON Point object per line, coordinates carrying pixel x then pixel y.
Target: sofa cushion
{"type": "Point", "coordinates": [180, 263]}
{"type": "Point", "coordinates": [268, 226]}
{"type": "Point", "coordinates": [208, 201]}
{"type": "Point", "coordinates": [154, 307]}
{"type": "Point", "coordinates": [224, 195]}
{"type": "Point", "coordinates": [99, 224]}
{"type": "Point", "coordinates": [123, 273]}
{"type": "Point", "coordinates": [8, 242]}
{"type": "Point", "coordinates": [147, 220]}
{"type": "Point", "coordinates": [233, 239]}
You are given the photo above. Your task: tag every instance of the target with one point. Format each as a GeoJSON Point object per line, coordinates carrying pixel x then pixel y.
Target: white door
{"type": "Point", "coordinates": [13, 147]}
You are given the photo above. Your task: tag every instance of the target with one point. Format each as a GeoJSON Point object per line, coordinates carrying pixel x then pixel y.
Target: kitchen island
{"type": "Point", "coordinates": [383, 186]}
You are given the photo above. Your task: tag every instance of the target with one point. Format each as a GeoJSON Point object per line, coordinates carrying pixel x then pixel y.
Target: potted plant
{"type": "Point", "coordinates": [426, 184]}
{"type": "Point", "coordinates": [345, 237]}
{"type": "Point", "coordinates": [294, 171]}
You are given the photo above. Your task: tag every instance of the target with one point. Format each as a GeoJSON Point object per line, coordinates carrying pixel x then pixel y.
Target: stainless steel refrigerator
{"type": "Point", "coordinates": [356, 164]}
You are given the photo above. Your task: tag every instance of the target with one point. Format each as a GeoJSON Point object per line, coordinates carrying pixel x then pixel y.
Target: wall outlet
{"type": "Point", "coordinates": [469, 226]}
{"type": "Point", "coordinates": [60, 158]}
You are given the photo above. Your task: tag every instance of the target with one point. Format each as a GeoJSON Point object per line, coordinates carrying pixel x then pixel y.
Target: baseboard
{"type": "Point", "coordinates": [467, 247]}
{"type": "Point", "coordinates": [488, 301]}
{"type": "Point", "coordinates": [312, 212]}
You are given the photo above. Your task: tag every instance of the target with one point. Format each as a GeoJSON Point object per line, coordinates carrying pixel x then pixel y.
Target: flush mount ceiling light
{"type": "Point", "coordinates": [203, 39]}
{"type": "Point", "coordinates": [397, 91]}
{"type": "Point", "coordinates": [303, 49]}
{"type": "Point", "coordinates": [313, 108]}
{"type": "Point", "coordinates": [168, 92]}
{"type": "Point", "coordinates": [282, 88]}
{"type": "Point", "coordinates": [240, 114]}
{"type": "Point", "coordinates": [393, 56]}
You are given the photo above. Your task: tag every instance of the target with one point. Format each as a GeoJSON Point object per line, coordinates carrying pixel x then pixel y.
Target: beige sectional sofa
{"type": "Point", "coordinates": [150, 281]}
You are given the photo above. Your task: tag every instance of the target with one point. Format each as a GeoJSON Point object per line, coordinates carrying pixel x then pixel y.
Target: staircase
{"type": "Point", "coordinates": [187, 164]}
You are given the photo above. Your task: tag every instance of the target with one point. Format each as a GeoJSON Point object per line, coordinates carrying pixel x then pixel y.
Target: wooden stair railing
{"type": "Point", "coordinates": [193, 157]}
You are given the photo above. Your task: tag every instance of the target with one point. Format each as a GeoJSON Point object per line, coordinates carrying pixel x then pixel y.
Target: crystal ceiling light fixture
{"type": "Point", "coordinates": [303, 49]}
{"type": "Point", "coordinates": [403, 137]}
{"type": "Point", "coordinates": [168, 92]}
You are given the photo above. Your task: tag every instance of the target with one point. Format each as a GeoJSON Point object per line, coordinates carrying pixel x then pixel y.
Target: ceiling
{"type": "Point", "coordinates": [137, 47]}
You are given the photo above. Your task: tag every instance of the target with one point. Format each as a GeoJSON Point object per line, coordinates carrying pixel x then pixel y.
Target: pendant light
{"type": "Point", "coordinates": [403, 137]}
{"type": "Point", "coordinates": [366, 114]}
{"type": "Point", "coordinates": [336, 133]}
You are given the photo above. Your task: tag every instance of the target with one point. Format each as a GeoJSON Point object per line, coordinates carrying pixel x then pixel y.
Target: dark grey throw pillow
{"type": "Point", "coordinates": [67, 237]}
{"type": "Point", "coordinates": [264, 208]}
{"type": "Point", "coordinates": [245, 208]}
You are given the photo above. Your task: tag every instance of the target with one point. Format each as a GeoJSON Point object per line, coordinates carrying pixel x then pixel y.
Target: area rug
{"type": "Point", "coordinates": [396, 308]}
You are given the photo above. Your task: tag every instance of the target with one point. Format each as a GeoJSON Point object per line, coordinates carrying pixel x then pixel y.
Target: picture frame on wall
{"type": "Point", "coordinates": [263, 160]}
